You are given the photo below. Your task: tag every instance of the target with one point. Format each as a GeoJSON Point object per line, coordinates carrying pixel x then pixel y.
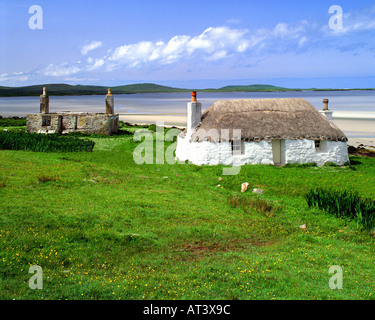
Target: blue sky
{"type": "Point", "coordinates": [191, 44]}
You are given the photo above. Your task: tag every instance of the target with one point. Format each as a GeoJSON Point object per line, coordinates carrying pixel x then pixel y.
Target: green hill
{"type": "Point", "coordinates": [255, 88]}
{"type": "Point", "coordinates": [145, 88]}
{"type": "Point", "coordinates": [52, 89]}
{"type": "Point", "coordinates": [66, 89]}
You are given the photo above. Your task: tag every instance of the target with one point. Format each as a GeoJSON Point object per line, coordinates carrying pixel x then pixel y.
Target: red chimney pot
{"type": "Point", "coordinates": [193, 96]}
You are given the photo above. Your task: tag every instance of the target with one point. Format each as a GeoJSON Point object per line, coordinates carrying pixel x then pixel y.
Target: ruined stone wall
{"type": "Point", "coordinates": [65, 122]}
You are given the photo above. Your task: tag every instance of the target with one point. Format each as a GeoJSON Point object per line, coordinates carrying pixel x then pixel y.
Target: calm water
{"type": "Point", "coordinates": [172, 103]}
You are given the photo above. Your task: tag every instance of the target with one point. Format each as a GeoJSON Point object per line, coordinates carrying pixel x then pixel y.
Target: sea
{"type": "Point", "coordinates": [353, 105]}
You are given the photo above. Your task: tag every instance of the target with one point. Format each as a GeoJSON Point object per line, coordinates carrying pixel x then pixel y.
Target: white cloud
{"type": "Point", "coordinates": [302, 41]}
{"type": "Point", "coordinates": [357, 24]}
{"type": "Point", "coordinates": [138, 52]}
{"type": "Point", "coordinates": [90, 46]}
{"type": "Point", "coordinates": [211, 44]}
{"type": "Point", "coordinates": [95, 64]}
{"type": "Point", "coordinates": [281, 38]}
{"type": "Point", "coordinates": [14, 77]}
{"type": "Point", "coordinates": [64, 69]}
{"type": "Point", "coordinates": [218, 55]}
{"type": "Point", "coordinates": [283, 30]}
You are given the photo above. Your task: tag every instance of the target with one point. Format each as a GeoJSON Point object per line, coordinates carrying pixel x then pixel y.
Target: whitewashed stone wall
{"type": "Point", "coordinates": [209, 153]}
{"type": "Point", "coordinates": [293, 151]}
{"type": "Point", "coordinates": [304, 151]}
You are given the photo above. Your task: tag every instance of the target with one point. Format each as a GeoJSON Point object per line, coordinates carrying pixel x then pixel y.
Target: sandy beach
{"type": "Point", "coordinates": [174, 119]}
{"type": "Point", "coordinates": [368, 143]}
{"type": "Point", "coordinates": [358, 127]}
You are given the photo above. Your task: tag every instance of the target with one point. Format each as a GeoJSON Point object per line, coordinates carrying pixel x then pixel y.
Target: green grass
{"type": "Point", "coordinates": [102, 227]}
{"type": "Point", "coordinates": [12, 122]}
{"type": "Point", "coordinates": [344, 204]}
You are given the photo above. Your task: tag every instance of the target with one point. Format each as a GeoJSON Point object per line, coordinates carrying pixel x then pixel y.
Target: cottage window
{"type": "Point", "coordinates": [236, 146]}
{"type": "Point", "coordinates": [46, 121]}
{"type": "Point", "coordinates": [317, 144]}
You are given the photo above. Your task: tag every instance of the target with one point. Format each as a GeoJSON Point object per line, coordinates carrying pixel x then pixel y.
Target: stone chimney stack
{"type": "Point", "coordinates": [44, 101]}
{"type": "Point", "coordinates": [109, 103]}
{"type": "Point", "coordinates": [325, 112]}
{"type": "Point", "coordinates": [193, 114]}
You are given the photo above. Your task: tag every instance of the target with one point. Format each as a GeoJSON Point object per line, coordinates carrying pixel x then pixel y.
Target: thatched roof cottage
{"type": "Point", "coordinates": [261, 131]}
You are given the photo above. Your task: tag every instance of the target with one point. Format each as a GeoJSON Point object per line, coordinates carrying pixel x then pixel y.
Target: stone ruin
{"type": "Point", "coordinates": [71, 121]}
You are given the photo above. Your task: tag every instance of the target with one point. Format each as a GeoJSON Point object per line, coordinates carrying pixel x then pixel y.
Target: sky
{"type": "Point", "coordinates": [188, 44]}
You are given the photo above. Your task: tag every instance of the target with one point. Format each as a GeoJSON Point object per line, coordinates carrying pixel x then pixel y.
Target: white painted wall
{"type": "Point", "coordinates": [293, 151]}
{"type": "Point", "coordinates": [304, 151]}
{"type": "Point", "coordinates": [206, 152]}
{"type": "Point", "coordinates": [327, 113]}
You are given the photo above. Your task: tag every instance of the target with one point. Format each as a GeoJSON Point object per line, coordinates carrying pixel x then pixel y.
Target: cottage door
{"type": "Point", "coordinates": [276, 151]}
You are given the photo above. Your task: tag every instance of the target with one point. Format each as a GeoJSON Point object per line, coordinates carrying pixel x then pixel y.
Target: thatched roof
{"type": "Point", "coordinates": [264, 119]}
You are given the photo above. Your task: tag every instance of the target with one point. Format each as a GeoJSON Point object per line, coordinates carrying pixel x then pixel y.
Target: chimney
{"type": "Point", "coordinates": [325, 112]}
{"type": "Point", "coordinates": [193, 114]}
{"type": "Point", "coordinates": [44, 101]}
{"type": "Point", "coordinates": [193, 96]}
{"type": "Point", "coordinates": [109, 103]}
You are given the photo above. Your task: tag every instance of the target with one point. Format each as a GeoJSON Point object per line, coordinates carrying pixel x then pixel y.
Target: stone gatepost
{"type": "Point", "coordinates": [109, 103]}
{"type": "Point", "coordinates": [44, 102]}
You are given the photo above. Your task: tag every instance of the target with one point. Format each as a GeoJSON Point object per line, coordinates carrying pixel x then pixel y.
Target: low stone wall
{"type": "Point", "coordinates": [66, 122]}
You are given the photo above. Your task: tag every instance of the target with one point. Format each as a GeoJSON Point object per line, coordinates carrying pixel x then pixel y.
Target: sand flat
{"type": "Point", "coordinates": [168, 119]}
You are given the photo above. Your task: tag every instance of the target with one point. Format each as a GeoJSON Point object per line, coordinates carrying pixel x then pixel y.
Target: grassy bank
{"type": "Point", "coordinates": [102, 227]}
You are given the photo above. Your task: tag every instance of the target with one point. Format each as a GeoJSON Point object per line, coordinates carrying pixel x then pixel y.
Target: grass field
{"type": "Point", "coordinates": [102, 227]}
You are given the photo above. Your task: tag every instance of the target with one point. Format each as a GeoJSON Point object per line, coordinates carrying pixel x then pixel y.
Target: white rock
{"type": "Point", "coordinates": [244, 186]}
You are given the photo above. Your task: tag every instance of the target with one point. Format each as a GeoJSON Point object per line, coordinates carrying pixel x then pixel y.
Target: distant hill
{"type": "Point", "coordinates": [66, 89]}
{"type": "Point", "coordinates": [145, 88]}
{"type": "Point", "coordinates": [254, 88]}
{"type": "Point", "coordinates": [61, 89]}
{"type": "Point", "coordinates": [52, 89]}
